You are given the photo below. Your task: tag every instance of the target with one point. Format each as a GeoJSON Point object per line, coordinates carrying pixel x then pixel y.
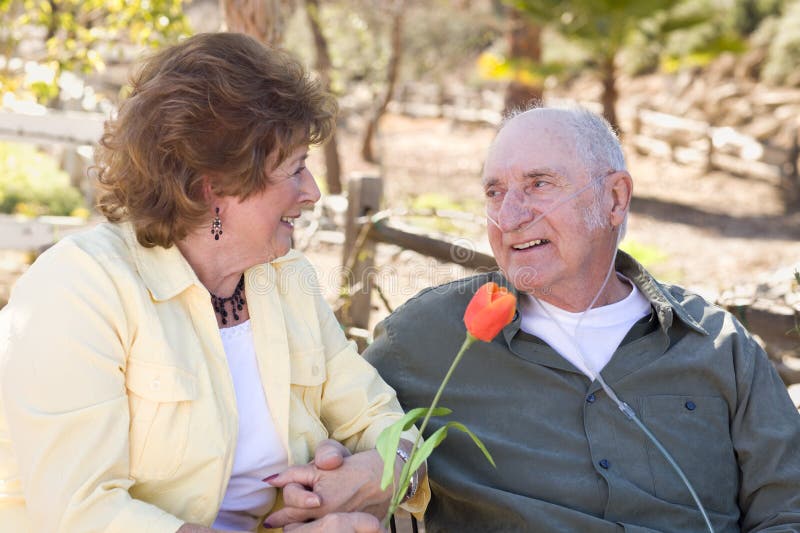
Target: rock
{"type": "Point", "coordinates": [794, 394]}
{"type": "Point", "coordinates": [749, 66]}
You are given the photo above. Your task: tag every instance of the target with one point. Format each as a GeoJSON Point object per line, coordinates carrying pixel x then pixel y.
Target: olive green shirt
{"type": "Point", "coordinates": [567, 458]}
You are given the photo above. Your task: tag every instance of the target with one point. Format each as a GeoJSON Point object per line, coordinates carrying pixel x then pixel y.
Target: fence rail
{"type": "Point", "coordinates": [694, 142]}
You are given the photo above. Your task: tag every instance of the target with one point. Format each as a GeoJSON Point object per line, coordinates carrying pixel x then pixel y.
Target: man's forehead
{"type": "Point", "coordinates": [531, 143]}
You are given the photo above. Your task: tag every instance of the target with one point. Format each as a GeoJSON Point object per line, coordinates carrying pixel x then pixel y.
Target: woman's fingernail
{"type": "Point", "coordinates": [270, 478]}
{"type": "Point", "coordinates": [312, 501]}
{"type": "Point", "coordinates": [268, 525]}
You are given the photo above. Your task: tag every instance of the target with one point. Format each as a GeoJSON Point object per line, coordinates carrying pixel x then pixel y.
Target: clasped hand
{"type": "Point", "coordinates": [334, 481]}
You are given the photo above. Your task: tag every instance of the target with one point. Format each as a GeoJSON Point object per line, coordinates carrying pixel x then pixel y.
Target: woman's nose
{"type": "Point", "coordinates": [310, 192]}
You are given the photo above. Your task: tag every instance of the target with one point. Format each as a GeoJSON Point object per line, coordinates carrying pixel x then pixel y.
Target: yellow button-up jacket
{"type": "Point", "coordinates": [117, 410]}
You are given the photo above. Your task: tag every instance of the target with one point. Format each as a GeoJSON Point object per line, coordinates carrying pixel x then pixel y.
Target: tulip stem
{"type": "Point", "coordinates": [405, 474]}
{"type": "Point", "coordinates": [467, 343]}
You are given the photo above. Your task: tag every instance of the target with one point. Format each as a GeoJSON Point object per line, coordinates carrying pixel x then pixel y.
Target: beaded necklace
{"type": "Point", "coordinates": [236, 301]}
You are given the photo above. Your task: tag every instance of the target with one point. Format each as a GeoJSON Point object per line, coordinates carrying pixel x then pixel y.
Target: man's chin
{"type": "Point", "coordinates": [525, 278]}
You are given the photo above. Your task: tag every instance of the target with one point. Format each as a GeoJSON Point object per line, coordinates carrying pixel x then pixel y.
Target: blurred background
{"type": "Point", "coordinates": [705, 94]}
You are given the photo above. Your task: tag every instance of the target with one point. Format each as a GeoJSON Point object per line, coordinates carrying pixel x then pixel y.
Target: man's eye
{"type": "Point", "coordinates": [490, 193]}
{"type": "Point", "coordinates": [538, 184]}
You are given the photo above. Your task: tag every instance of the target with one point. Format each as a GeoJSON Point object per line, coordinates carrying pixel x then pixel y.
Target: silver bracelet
{"type": "Point", "coordinates": [413, 484]}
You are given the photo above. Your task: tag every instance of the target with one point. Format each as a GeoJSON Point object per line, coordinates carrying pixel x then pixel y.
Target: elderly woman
{"type": "Point", "coordinates": [157, 368]}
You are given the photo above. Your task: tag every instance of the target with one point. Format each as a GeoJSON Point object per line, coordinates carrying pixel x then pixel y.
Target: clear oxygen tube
{"type": "Point", "coordinates": [626, 409]}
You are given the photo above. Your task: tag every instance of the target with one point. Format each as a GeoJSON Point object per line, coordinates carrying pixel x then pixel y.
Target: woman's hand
{"type": "Point", "coordinates": [334, 481]}
{"type": "Point", "coordinates": [340, 523]}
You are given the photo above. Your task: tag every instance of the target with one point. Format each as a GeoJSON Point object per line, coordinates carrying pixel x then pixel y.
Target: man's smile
{"type": "Point", "coordinates": [530, 244]}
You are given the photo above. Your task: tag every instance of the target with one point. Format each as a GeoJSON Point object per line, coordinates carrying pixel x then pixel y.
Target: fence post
{"type": "Point", "coordinates": [364, 195]}
{"type": "Point", "coordinates": [710, 145]}
{"type": "Point", "coordinates": [790, 169]}
{"type": "Point", "coordinates": [637, 121]}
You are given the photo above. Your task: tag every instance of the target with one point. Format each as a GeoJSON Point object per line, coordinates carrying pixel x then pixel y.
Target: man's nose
{"type": "Point", "coordinates": [514, 212]}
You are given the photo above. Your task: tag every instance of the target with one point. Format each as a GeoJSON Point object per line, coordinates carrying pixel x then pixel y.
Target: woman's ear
{"type": "Point", "coordinates": [621, 193]}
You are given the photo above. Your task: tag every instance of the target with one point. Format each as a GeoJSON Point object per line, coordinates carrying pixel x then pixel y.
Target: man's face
{"type": "Point", "coordinates": [533, 170]}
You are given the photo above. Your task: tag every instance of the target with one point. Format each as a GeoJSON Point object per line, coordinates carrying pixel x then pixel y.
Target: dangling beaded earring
{"type": "Point", "coordinates": [216, 225]}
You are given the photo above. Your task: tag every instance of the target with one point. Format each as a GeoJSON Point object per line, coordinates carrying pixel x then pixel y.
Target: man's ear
{"type": "Point", "coordinates": [621, 193]}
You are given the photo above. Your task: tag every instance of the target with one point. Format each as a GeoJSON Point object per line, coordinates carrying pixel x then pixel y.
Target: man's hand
{"type": "Point", "coordinates": [321, 487]}
{"type": "Point", "coordinates": [340, 523]}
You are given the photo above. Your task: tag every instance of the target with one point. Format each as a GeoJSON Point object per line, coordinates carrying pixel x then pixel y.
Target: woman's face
{"type": "Point", "coordinates": [262, 225]}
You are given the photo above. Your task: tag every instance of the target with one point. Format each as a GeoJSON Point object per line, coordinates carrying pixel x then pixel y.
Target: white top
{"type": "Point", "coordinates": [601, 330]}
{"type": "Point", "coordinates": [259, 452]}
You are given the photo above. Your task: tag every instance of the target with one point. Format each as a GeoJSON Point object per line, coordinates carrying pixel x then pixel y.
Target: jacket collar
{"type": "Point", "coordinates": [165, 271]}
{"type": "Point", "coordinates": [666, 306]}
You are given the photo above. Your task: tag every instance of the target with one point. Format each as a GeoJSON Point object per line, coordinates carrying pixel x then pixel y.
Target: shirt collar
{"type": "Point", "coordinates": [165, 271]}
{"type": "Point", "coordinates": [664, 303]}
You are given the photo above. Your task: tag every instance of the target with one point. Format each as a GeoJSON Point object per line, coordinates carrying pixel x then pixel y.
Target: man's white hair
{"type": "Point", "coordinates": [597, 146]}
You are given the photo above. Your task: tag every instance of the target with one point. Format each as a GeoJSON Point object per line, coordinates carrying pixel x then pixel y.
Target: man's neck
{"type": "Point", "coordinates": [614, 291]}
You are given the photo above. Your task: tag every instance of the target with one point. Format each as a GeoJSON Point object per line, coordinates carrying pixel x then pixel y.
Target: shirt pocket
{"type": "Point", "coordinates": [695, 430]}
{"type": "Point", "coordinates": [159, 398]}
{"type": "Point", "coordinates": [308, 374]}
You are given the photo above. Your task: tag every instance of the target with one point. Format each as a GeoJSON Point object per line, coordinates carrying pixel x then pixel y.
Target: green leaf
{"type": "Point", "coordinates": [436, 439]}
{"type": "Point", "coordinates": [389, 439]}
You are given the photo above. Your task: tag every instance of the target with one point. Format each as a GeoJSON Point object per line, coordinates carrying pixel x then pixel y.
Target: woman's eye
{"type": "Point", "coordinates": [299, 171]}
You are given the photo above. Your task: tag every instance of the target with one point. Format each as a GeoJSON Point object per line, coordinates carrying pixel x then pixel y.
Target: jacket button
{"type": "Point", "coordinates": [315, 370]}
{"type": "Point", "coordinates": [604, 464]}
{"type": "Point", "coordinates": [591, 398]}
{"type": "Point", "coordinates": [690, 405]}
{"type": "Point", "coordinates": [155, 384]}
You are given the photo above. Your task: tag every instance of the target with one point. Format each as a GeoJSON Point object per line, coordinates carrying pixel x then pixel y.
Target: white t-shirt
{"type": "Point", "coordinates": [601, 330]}
{"type": "Point", "coordinates": [259, 452]}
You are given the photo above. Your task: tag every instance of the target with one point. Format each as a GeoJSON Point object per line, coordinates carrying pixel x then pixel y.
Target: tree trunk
{"type": "Point", "coordinates": [367, 151]}
{"type": "Point", "coordinates": [525, 45]}
{"type": "Point", "coordinates": [609, 97]}
{"type": "Point", "coordinates": [333, 169]}
{"type": "Point", "coordinates": [264, 20]}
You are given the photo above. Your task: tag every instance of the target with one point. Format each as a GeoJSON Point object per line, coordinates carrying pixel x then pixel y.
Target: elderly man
{"type": "Point", "coordinates": [598, 354]}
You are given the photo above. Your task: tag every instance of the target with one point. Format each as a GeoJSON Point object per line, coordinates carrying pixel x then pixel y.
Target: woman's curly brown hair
{"type": "Point", "coordinates": [219, 105]}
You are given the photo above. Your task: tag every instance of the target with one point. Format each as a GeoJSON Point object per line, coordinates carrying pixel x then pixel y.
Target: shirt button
{"type": "Point", "coordinates": [591, 398]}
{"type": "Point", "coordinates": [690, 405]}
{"type": "Point", "coordinates": [604, 463]}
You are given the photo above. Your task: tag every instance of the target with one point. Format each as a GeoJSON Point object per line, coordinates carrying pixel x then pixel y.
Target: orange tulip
{"type": "Point", "coordinates": [490, 310]}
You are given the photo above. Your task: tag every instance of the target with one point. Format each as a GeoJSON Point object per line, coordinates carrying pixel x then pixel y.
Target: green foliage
{"type": "Point", "coordinates": [645, 254]}
{"type": "Point", "coordinates": [435, 203]}
{"type": "Point", "coordinates": [783, 58]}
{"type": "Point", "coordinates": [604, 26]}
{"type": "Point", "coordinates": [439, 39]}
{"type": "Point", "coordinates": [77, 34]}
{"type": "Point", "coordinates": [747, 15]}
{"type": "Point", "coordinates": [31, 183]}
{"type": "Point", "coordinates": [358, 45]}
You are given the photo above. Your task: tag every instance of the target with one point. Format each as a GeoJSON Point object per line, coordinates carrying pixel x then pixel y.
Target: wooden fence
{"type": "Point", "coordinates": [366, 226]}
{"type": "Point", "coordinates": [694, 142]}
